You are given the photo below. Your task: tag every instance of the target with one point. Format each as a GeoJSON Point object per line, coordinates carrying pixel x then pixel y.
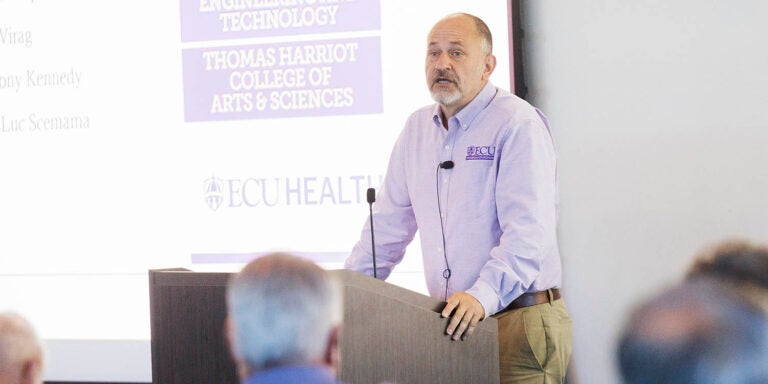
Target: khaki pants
{"type": "Point", "coordinates": [535, 343]}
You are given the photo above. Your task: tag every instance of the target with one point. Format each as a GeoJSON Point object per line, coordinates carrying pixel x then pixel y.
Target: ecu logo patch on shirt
{"type": "Point", "coordinates": [485, 152]}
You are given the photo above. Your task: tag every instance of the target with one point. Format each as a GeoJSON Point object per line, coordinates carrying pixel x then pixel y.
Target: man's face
{"type": "Point", "coordinates": [456, 66]}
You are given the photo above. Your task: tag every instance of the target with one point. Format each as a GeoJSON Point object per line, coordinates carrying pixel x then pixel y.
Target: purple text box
{"type": "Point", "coordinates": [203, 20]}
{"type": "Point", "coordinates": [310, 78]}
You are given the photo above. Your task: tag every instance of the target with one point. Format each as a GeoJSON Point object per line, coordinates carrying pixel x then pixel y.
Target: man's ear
{"type": "Point", "coordinates": [490, 65]}
{"type": "Point", "coordinates": [32, 372]}
{"type": "Point", "coordinates": [332, 356]}
{"type": "Point", "coordinates": [229, 338]}
{"type": "Point", "coordinates": [229, 335]}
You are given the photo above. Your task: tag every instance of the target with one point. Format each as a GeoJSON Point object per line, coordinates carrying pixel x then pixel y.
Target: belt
{"type": "Point", "coordinates": [533, 298]}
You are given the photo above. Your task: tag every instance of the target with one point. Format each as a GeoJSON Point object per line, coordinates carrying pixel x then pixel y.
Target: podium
{"type": "Point", "coordinates": [390, 334]}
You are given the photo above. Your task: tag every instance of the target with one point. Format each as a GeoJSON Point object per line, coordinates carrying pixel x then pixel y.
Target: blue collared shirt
{"type": "Point", "coordinates": [304, 374]}
{"type": "Point", "coordinates": [498, 202]}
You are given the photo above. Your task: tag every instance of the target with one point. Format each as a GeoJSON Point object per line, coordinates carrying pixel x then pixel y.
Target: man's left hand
{"type": "Point", "coordinates": [468, 312]}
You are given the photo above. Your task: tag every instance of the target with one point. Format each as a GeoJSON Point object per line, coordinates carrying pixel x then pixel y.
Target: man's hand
{"type": "Point", "coordinates": [468, 312]}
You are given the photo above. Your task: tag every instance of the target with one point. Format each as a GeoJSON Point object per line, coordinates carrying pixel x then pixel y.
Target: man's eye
{"type": "Point", "coordinates": [456, 53]}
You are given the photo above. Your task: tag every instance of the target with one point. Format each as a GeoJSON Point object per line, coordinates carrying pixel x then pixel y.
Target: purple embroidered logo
{"type": "Point", "coordinates": [480, 153]}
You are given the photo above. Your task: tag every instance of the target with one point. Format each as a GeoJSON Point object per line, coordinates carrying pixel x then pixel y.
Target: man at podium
{"type": "Point", "coordinates": [476, 175]}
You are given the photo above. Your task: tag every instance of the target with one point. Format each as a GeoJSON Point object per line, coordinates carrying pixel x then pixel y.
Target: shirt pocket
{"type": "Point", "coordinates": [473, 189]}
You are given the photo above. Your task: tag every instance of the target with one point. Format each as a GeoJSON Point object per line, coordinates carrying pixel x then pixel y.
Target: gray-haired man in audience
{"type": "Point", "coordinates": [284, 321]}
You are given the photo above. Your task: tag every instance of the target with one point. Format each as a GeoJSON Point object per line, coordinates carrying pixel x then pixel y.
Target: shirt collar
{"type": "Point", "coordinates": [470, 111]}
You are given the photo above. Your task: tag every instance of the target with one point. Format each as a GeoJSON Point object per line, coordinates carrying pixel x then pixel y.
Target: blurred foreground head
{"type": "Point", "coordinates": [283, 311]}
{"type": "Point", "coordinates": [701, 331]}
{"type": "Point", "coordinates": [739, 263]}
{"type": "Point", "coordinates": [21, 352]}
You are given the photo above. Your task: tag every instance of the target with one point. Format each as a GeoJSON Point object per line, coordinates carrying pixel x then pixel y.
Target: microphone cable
{"type": "Point", "coordinates": [447, 271]}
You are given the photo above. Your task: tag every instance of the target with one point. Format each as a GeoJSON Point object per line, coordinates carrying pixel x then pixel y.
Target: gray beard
{"type": "Point", "coordinates": [448, 99]}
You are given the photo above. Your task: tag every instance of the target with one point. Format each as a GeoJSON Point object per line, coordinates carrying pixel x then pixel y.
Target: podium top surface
{"type": "Point", "coordinates": [349, 278]}
{"type": "Point", "coordinates": [395, 292]}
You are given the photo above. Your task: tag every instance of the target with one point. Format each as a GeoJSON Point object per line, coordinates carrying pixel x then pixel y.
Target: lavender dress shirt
{"type": "Point", "coordinates": [498, 202]}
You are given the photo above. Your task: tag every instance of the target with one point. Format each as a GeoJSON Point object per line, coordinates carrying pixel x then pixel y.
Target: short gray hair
{"type": "Point", "coordinates": [283, 309]}
{"type": "Point", "coordinates": [486, 38]}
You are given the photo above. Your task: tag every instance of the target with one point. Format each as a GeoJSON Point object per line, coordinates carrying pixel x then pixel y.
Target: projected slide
{"type": "Point", "coordinates": [313, 77]}
{"type": "Point", "coordinates": [195, 134]}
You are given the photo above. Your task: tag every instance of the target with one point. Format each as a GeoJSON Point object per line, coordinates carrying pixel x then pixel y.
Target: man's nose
{"type": "Point", "coordinates": [442, 62]}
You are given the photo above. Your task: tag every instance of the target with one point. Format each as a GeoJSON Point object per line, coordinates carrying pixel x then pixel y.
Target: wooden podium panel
{"type": "Point", "coordinates": [187, 311]}
{"type": "Point", "coordinates": [390, 334]}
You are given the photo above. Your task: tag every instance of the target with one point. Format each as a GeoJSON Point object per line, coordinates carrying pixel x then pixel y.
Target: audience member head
{"type": "Point", "coordinates": [739, 263]}
{"type": "Point", "coordinates": [21, 352]}
{"type": "Point", "coordinates": [283, 311]}
{"type": "Point", "coordinates": [698, 332]}
{"type": "Point", "coordinates": [733, 259]}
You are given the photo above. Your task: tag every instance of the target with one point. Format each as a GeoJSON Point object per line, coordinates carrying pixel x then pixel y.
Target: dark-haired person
{"type": "Point", "coordinates": [739, 263]}
{"type": "Point", "coordinates": [699, 332]}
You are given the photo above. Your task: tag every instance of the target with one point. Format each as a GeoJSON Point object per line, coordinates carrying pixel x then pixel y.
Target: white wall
{"type": "Point", "coordinates": [659, 111]}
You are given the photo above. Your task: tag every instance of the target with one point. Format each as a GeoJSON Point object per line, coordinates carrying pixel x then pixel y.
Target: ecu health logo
{"type": "Point", "coordinates": [213, 193]}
